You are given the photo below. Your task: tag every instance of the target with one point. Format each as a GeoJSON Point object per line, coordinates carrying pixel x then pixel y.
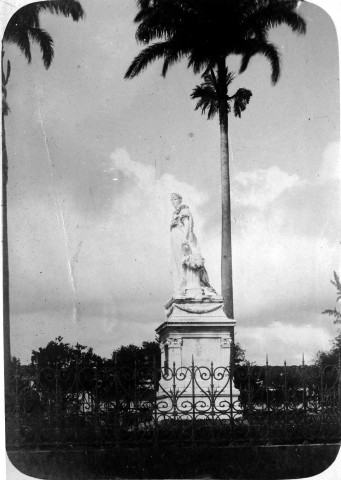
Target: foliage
{"type": "Point", "coordinates": [239, 355]}
{"type": "Point", "coordinates": [210, 99]}
{"type": "Point", "coordinates": [58, 354]}
{"type": "Point", "coordinates": [333, 357]}
{"type": "Point", "coordinates": [206, 30]}
{"type": "Point", "coordinates": [133, 356]}
{"type": "Point", "coordinates": [24, 28]}
{"type": "Point", "coordinates": [66, 365]}
{"type": "Point", "coordinates": [131, 368]}
{"type": "Point", "coordinates": [334, 312]}
{"type": "Point", "coordinates": [137, 369]}
{"type": "Point", "coordinates": [275, 385]}
{"type": "Point", "coordinates": [5, 78]}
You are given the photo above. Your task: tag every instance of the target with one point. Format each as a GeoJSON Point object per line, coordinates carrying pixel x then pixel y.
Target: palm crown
{"type": "Point", "coordinates": [24, 26]}
{"type": "Point", "coordinates": [209, 97]}
{"type": "Point", "coordinates": [206, 30]}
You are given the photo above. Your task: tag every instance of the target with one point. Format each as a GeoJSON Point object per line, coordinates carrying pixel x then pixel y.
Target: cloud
{"type": "Point", "coordinates": [261, 187]}
{"type": "Point", "coordinates": [121, 267]}
{"type": "Point", "coordinates": [119, 261]}
{"type": "Point", "coordinates": [283, 342]}
{"type": "Point", "coordinates": [331, 164]}
{"type": "Point", "coordinates": [286, 243]}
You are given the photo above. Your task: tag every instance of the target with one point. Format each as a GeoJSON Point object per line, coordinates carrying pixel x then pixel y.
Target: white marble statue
{"type": "Point", "coordinates": [190, 279]}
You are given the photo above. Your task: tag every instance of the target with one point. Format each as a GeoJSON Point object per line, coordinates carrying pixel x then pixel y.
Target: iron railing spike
{"type": "Point", "coordinates": [124, 398]}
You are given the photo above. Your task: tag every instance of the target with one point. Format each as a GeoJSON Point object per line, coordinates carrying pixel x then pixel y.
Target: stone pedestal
{"type": "Point", "coordinates": [197, 330]}
{"type": "Point", "coordinates": [195, 341]}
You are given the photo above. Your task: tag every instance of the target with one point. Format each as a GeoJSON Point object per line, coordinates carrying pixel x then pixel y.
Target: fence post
{"type": "Point", "coordinates": [268, 411]}
{"type": "Point", "coordinates": [117, 402]}
{"type": "Point", "coordinates": [155, 382]}
{"type": "Point", "coordinates": [232, 355]}
{"type": "Point", "coordinates": [17, 407]}
{"type": "Point", "coordinates": [322, 401]}
{"type": "Point", "coordinates": [42, 401]}
{"type": "Point", "coordinates": [77, 399]}
{"type": "Point", "coordinates": [97, 419]}
{"type": "Point", "coordinates": [173, 393]}
{"type": "Point", "coordinates": [249, 402]}
{"type": "Point", "coordinates": [304, 399]}
{"type": "Point", "coordinates": [136, 403]}
{"type": "Point", "coordinates": [193, 401]}
{"type": "Point", "coordinates": [286, 399]}
{"type": "Point", "coordinates": [339, 392]}
{"type": "Point", "coordinates": [212, 394]}
{"type": "Point", "coordinates": [57, 406]}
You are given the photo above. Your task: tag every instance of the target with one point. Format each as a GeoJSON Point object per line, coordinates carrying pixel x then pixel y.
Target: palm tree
{"type": "Point", "coordinates": [206, 32]}
{"type": "Point", "coordinates": [22, 29]}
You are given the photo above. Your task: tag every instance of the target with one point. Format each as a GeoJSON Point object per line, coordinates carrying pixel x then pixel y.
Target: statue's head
{"type": "Point", "coordinates": [176, 200]}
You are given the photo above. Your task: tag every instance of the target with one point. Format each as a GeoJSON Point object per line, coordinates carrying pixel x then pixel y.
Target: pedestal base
{"type": "Point", "coordinates": [196, 342]}
{"type": "Point", "coordinates": [196, 330]}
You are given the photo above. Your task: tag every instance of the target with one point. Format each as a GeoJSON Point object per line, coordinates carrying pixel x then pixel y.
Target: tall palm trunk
{"type": "Point", "coordinates": [5, 271]}
{"type": "Point", "coordinates": [226, 241]}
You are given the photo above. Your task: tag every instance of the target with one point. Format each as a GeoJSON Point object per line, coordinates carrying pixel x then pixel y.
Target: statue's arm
{"type": "Point", "coordinates": [187, 222]}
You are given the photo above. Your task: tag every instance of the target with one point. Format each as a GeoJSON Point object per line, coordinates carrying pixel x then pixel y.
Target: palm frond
{"type": "Point", "coordinates": [270, 14]}
{"type": "Point", "coordinates": [19, 37]}
{"type": "Point", "coordinates": [262, 47]}
{"type": "Point", "coordinates": [5, 76]}
{"type": "Point", "coordinates": [5, 106]}
{"type": "Point", "coordinates": [230, 76]}
{"type": "Point", "coordinates": [24, 24]}
{"type": "Point", "coordinates": [67, 8]}
{"type": "Point", "coordinates": [20, 21]}
{"type": "Point", "coordinates": [207, 93]}
{"type": "Point", "coordinates": [207, 101]}
{"type": "Point", "coordinates": [246, 57]}
{"type": "Point", "coordinates": [240, 100]}
{"type": "Point", "coordinates": [172, 57]}
{"type": "Point", "coordinates": [333, 313]}
{"type": "Point", "coordinates": [157, 23]}
{"type": "Point", "coordinates": [145, 57]}
{"type": "Point", "coordinates": [336, 281]}
{"type": "Point", "coordinates": [197, 62]}
{"type": "Point", "coordinates": [206, 30]}
{"type": "Point", "coordinates": [45, 42]}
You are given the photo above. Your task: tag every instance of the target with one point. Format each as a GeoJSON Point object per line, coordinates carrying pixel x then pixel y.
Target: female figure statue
{"type": "Point", "coordinates": [190, 279]}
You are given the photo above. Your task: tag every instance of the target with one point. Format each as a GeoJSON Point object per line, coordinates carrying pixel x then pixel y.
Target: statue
{"type": "Point", "coordinates": [190, 278]}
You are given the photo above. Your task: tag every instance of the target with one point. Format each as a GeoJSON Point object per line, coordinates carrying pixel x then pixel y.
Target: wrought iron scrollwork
{"type": "Point", "coordinates": [120, 405]}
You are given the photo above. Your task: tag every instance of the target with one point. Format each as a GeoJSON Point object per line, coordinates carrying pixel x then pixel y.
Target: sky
{"type": "Point", "coordinates": [93, 159]}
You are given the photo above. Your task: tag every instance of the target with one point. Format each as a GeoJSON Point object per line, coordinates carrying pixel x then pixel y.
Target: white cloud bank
{"type": "Point", "coordinates": [121, 263]}
{"type": "Point", "coordinates": [260, 187]}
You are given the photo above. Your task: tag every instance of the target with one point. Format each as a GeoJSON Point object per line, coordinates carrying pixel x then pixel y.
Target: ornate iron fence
{"type": "Point", "coordinates": [119, 405]}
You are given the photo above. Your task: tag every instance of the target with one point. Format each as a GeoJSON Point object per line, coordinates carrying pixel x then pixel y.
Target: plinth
{"type": "Point", "coordinates": [198, 331]}
{"type": "Point", "coordinates": [196, 340]}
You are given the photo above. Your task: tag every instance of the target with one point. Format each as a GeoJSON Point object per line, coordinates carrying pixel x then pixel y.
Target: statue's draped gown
{"type": "Point", "coordinates": [188, 268]}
